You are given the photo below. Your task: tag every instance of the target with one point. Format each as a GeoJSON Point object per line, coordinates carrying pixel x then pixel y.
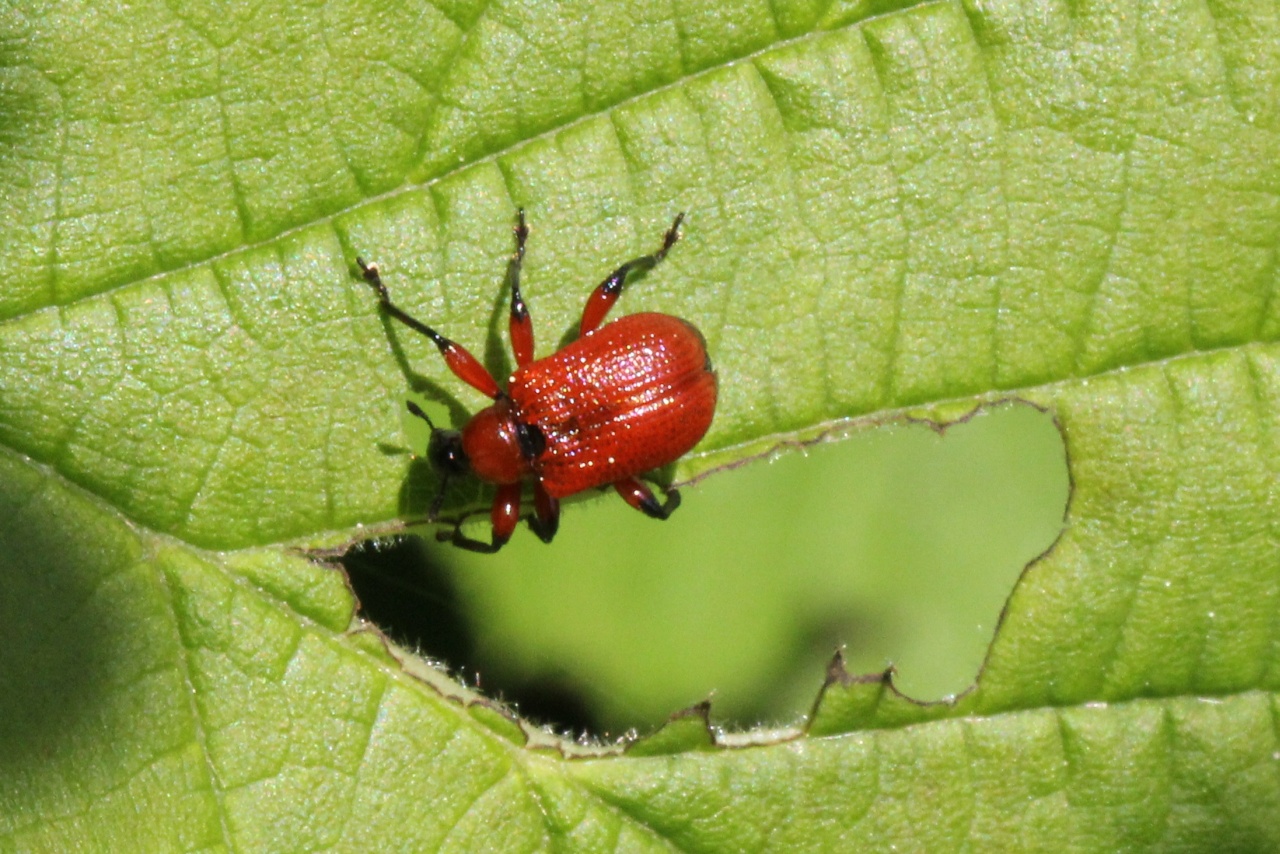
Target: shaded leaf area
{"type": "Point", "coordinates": [932, 205]}
{"type": "Point", "coordinates": [154, 701]}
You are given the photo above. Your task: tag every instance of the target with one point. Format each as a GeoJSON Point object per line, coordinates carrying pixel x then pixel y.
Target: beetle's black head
{"type": "Point", "coordinates": [444, 452]}
{"type": "Point", "coordinates": [444, 448]}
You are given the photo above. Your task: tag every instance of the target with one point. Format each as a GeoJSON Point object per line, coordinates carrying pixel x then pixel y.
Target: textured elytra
{"type": "Point", "coordinates": [618, 402]}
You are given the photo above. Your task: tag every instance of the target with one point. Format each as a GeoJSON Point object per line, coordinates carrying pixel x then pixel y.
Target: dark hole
{"type": "Point", "coordinates": [413, 600]}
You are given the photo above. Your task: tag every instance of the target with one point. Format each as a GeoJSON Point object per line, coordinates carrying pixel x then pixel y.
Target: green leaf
{"type": "Point", "coordinates": [893, 217]}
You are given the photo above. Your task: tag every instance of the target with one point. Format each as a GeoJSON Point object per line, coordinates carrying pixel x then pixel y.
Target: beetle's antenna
{"type": "Point", "coordinates": [417, 410]}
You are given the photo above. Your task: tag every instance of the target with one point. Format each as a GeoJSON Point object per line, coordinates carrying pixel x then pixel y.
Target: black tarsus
{"type": "Point", "coordinates": [618, 278]}
{"type": "Point", "coordinates": [462, 541]}
{"type": "Point", "coordinates": [518, 306]}
{"type": "Point", "coordinates": [651, 508]}
{"type": "Point", "coordinates": [371, 275]}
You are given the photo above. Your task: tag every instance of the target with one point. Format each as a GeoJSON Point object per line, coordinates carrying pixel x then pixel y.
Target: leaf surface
{"type": "Point", "coordinates": [896, 216]}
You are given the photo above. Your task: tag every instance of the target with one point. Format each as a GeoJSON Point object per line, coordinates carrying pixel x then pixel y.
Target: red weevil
{"type": "Point", "coordinates": [620, 400]}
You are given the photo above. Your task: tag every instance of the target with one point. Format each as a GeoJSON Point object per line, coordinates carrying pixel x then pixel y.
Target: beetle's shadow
{"type": "Point", "coordinates": [464, 496]}
{"type": "Point", "coordinates": [662, 477]}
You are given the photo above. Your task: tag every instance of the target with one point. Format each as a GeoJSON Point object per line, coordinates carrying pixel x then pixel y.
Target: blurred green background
{"type": "Point", "coordinates": [898, 544]}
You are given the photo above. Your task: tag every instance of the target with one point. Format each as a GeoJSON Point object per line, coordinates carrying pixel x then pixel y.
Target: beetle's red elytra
{"type": "Point", "coordinates": [620, 400]}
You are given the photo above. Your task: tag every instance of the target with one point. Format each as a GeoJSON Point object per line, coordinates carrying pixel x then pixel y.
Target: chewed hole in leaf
{"type": "Point", "coordinates": [899, 544]}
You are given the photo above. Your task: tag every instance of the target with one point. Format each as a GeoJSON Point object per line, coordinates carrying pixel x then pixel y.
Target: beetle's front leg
{"type": "Point", "coordinates": [504, 516]}
{"type": "Point", "coordinates": [464, 365]}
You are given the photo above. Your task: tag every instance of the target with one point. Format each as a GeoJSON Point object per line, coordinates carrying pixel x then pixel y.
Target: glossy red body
{"type": "Point", "coordinates": [629, 397]}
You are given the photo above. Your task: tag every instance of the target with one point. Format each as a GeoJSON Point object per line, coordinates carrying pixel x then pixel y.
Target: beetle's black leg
{"type": "Point", "coordinates": [520, 324]}
{"type": "Point", "coordinates": [504, 516]}
{"type": "Point", "coordinates": [641, 497]}
{"type": "Point", "coordinates": [462, 541]}
{"type": "Point", "coordinates": [546, 519]}
{"type": "Point", "coordinates": [608, 291]}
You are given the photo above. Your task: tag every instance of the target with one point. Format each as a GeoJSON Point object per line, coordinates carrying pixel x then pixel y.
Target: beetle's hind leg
{"type": "Point", "coordinates": [608, 291]}
{"type": "Point", "coordinates": [642, 498]}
